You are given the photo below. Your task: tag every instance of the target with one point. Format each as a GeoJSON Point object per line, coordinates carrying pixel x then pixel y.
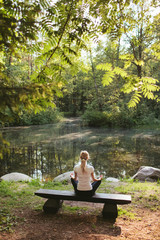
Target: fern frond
{"type": "Point", "coordinates": [104, 66]}
{"type": "Point", "coordinates": [120, 71]}
{"type": "Point", "coordinates": [149, 80]}
{"type": "Point", "coordinates": [135, 99]}
{"type": "Point", "coordinates": [108, 78]}
{"type": "Point", "coordinates": [128, 88]}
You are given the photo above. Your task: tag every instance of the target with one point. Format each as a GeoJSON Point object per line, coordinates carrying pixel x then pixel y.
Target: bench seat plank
{"type": "Point", "coordinates": [97, 198]}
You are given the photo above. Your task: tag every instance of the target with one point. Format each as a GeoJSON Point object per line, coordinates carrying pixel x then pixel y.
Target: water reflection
{"type": "Point", "coordinates": [47, 151]}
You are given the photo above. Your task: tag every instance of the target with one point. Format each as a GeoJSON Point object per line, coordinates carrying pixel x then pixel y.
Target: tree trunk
{"type": "Point", "coordinates": [95, 83]}
{"type": "Point", "coordinates": [139, 67]}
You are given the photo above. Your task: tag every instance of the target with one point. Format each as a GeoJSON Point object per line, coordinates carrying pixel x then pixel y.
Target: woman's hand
{"type": "Point", "coordinates": [96, 179]}
{"type": "Point", "coordinates": [72, 175]}
{"type": "Point", "coordinates": [101, 177]}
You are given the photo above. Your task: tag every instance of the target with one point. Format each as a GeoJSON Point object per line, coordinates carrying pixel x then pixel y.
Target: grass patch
{"type": "Point", "coordinates": [145, 194]}
{"type": "Point", "coordinates": [57, 185]}
{"type": "Point", "coordinates": [105, 187]}
{"type": "Point", "coordinates": [140, 187]}
{"type": "Point", "coordinates": [74, 209]}
{"type": "Point", "coordinates": [123, 212]}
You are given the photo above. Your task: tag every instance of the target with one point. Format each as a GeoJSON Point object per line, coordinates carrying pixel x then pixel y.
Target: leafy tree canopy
{"type": "Point", "coordinates": [53, 33]}
{"type": "Point", "coordinates": [48, 35]}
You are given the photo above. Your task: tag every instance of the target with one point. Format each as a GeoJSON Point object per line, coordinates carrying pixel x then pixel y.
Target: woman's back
{"type": "Point", "coordinates": [84, 178]}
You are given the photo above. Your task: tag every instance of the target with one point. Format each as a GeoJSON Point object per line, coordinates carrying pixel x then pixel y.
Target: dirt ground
{"type": "Point", "coordinates": [83, 225]}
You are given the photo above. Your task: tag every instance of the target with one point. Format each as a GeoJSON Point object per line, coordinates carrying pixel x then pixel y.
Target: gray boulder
{"type": "Point", "coordinates": [16, 177]}
{"type": "Point", "coordinates": [146, 173]}
{"type": "Point", "coordinates": [112, 179]}
{"type": "Point", "coordinates": [63, 177]}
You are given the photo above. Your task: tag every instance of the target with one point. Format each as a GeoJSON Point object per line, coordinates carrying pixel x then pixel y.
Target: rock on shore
{"type": "Point", "coordinates": [146, 173]}
{"type": "Point", "coordinates": [15, 177]}
{"type": "Point", "coordinates": [63, 177]}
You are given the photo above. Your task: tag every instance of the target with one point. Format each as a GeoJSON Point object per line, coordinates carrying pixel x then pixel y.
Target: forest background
{"type": "Point", "coordinates": [98, 59]}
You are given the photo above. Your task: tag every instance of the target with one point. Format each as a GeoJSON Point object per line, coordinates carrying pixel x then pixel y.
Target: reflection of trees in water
{"type": "Point", "coordinates": [40, 161]}
{"type": "Point", "coordinates": [122, 157]}
{"type": "Point", "coordinates": [111, 159]}
{"type": "Point", "coordinates": [112, 155]}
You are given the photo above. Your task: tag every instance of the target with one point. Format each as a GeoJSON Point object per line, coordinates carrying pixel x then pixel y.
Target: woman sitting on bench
{"type": "Point", "coordinates": [81, 179]}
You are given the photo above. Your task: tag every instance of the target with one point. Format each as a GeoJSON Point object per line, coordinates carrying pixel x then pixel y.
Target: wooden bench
{"type": "Point", "coordinates": [56, 197]}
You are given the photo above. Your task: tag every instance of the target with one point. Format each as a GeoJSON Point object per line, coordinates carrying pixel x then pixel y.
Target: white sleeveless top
{"type": "Point", "coordinates": [84, 179]}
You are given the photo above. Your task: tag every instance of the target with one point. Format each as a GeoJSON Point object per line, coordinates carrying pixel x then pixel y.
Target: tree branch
{"type": "Point", "coordinates": [60, 38]}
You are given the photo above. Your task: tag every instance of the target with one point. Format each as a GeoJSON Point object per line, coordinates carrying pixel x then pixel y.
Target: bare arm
{"type": "Point", "coordinates": [96, 179]}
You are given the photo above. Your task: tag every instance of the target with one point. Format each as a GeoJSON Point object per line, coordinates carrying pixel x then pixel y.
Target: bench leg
{"type": "Point", "coordinates": [52, 205]}
{"type": "Point", "coordinates": [110, 211]}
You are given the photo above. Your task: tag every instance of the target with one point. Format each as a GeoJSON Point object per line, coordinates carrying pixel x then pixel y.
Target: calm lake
{"type": "Point", "coordinates": [48, 150]}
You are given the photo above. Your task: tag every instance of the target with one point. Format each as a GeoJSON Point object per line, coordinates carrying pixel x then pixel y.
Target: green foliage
{"type": "Point", "coordinates": [40, 65]}
{"type": "Point", "coordinates": [52, 184]}
{"type": "Point", "coordinates": [115, 118]}
{"type": "Point", "coordinates": [57, 185]}
{"type": "Point", "coordinates": [123, 118]}
{"type": "Point", "coordinates": [18, 23]}
{"type": "Point", "coordinates": [145, 86]}
{"type": "Point", "coordinates": [35, 183]}
{"type": "Point", "coordinates": [60, 28]}
{"type": "Point", "coordinates": [111, 73]}
{"type": "Point", "coordinates": [137, 81]}
{"type": "Point", "coordinates": [123, 212]}
{"type": "Point", "coordinates": [5, 188]}
{"type": "Point", "coordinates": [7, 220]}
{"type": "Point", "coordinates": [139, 87]}
{"type": "Point", "coordinates": [135, 99]}
{"type": "Point", "coordinates": [95, 118]}
{"type": "Point", "coordinates": [43, 117]}
{"type": "Point", "coordinates": [149, 120]}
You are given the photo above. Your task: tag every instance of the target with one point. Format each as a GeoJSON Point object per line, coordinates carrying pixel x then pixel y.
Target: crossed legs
{"type": "Point", "coordinates": [95, 185]}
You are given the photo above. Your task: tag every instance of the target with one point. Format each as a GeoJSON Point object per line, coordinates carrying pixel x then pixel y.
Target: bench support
{"type": "Point", "coordinates": [110, 211]}
{"type": "Point", "coordinates": [52, 205]}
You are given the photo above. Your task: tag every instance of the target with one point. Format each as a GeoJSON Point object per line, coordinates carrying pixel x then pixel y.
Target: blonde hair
{"type": "Point", "coordinates": [84, 156]}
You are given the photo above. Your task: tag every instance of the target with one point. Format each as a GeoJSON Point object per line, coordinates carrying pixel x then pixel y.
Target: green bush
{"type": "Point", "coordinates": [35, 183]}
{"type": "Point", "coordinates": [5, 188]}
{"type": "Point", "coordinates": [52, 184]}
{"type": "Point", "coordinates": [44, 117]}
{"type": "Point", "coordinates": [123, 118]}
{"type": "Point", "coordinates": [109, 119]}
{"type": "Point", "coordinates": [96, 118]}
{"type": "Point", "coordinates": [149, 120]}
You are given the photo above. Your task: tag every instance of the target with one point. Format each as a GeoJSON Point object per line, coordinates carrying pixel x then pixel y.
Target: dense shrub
{"type": "Point", "coordinates": [44, 117]}
{"type": "Point", "coordinates": [119, 118]}
{"type": "Point", "coordinates": [123, 118]}
{"type": "Point", "coordinates": [96, 118]}
{"type": "Point", "coordinates": [149, 120]}
{"type": "Point", "coordinates": [109, 119]}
